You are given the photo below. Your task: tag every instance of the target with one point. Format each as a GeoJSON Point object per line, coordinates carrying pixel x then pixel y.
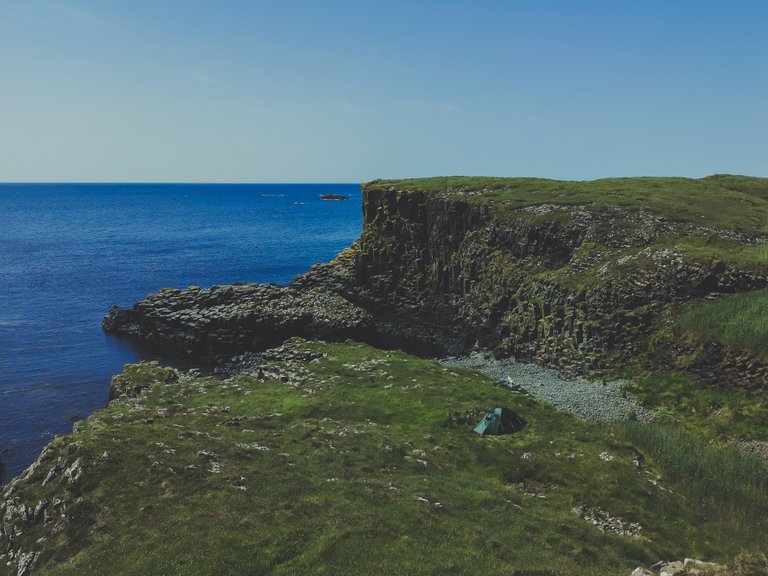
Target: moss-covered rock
{"type": "Point", "coordinates": [137, 377]}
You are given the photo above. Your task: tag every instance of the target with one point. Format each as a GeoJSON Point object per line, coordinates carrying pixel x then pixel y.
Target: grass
{"type": "Point", "coordinates": [755, 564]}
{"type": "Point", "coordinates": [716, 248]}
{"type": "Point", "coordinates": [708, 412]}
{"type": "Point", "coordinates": [710, 248]}
{"type": "Point", "coordinates": [350, 464]}
{"type": "Point", "coordinates": [722, 201]}
{"type": "Point", "coordinates": [724, 481]}
{"type": "Point", "coordinates": [738, 321]}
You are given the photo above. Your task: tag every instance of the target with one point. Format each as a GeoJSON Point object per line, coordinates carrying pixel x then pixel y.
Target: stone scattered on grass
{"type": "Point", "coordinates": [605, 522]}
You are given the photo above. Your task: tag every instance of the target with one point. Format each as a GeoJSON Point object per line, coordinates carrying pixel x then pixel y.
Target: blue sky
{"type": "Point", "coordinates": [347, 91]}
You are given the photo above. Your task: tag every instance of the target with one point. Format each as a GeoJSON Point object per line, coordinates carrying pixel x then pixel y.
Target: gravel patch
{"type": "Point", "coordinates": [588, 399]}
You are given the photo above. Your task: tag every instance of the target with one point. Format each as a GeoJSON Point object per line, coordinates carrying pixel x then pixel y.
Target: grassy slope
{"type": "Point", "coordinates": [721, 201]}
{"type": "Point", "coordinates": [739, 321]}
{"type": "Point", "coordinates": [708, 412]}
{"type": "Point", "coordinates": [344, 466]}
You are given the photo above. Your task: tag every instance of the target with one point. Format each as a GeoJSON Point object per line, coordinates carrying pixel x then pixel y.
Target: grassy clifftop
{"type": "Point", "coordinates": [731, 202]}
{"type": "Point", "coordinates": [345, 459]}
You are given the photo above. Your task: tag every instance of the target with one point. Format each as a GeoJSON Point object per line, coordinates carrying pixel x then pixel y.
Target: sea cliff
{"type": "Point", "coordinates": [589, 277]}
{"type": "Point", "coordinates": [333, 455]}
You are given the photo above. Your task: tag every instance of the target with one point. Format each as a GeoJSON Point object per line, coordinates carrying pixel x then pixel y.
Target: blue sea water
{"type": "Point", "coordinates": [70, 251]}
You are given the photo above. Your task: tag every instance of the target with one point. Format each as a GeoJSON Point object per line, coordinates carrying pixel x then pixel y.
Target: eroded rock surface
{"type": "Point", "coordinates": [27, 523]}
{"type": "Point", "coordinates": [238, 318]}
{"type": "Point", "coordinates": [584, 288]}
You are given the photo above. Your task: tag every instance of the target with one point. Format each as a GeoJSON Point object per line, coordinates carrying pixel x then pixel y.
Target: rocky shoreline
{"type": "Point", "coordinates": [582, 288]}
{"type": "Point", "coordinates": [569, 291]}
{"type": "Point", "coordinates": [226, 320]}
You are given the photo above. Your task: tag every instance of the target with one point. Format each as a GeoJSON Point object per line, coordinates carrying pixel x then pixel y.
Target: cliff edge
{"type": "Point", "coordinates": [589, 277]}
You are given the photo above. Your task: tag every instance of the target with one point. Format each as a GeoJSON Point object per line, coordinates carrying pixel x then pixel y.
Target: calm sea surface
{"type": "Point", "coordinates": [70, 251]}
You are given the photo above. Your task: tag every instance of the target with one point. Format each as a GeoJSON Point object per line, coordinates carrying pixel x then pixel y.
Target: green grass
{"type": "Point", "coordinates": [344, 465]}
{"type": "Point", "coordinates": [754, 564]}
{"type": "Point", "coordinates": [712, 248]}
{"type": "Point", "coordinates": [738, 321]}
{"type": "Point", "coordinates": [725, 481]}
{"type": "Point", "coordinates": [732, 202]}
{"type": "Point", "coordinates": [708, 412]}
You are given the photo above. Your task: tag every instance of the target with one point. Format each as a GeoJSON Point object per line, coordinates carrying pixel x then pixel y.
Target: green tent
{"type": "Point", "coordinates": [500, 421]}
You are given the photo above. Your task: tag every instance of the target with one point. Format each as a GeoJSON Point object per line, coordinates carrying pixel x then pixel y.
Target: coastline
{"type": "Point", "coordinates": [291, 399]}
{"type": "Point", "coordinates": [72, 251]}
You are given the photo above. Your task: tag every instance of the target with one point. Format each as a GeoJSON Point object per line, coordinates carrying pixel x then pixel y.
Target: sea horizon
{"type": "Point", "coordinates": [180, 183]}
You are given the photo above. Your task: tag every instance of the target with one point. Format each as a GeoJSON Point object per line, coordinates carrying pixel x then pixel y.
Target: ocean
{"type": "Point", "coordinates": [71, 251]}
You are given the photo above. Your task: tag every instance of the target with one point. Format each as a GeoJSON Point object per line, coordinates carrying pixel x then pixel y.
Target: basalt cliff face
{"type": "Point", "coordinates": [584, 286]}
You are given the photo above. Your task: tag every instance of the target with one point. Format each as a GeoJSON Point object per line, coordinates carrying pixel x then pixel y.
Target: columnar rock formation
{"type": "Point", "coordinates": [584, 287]}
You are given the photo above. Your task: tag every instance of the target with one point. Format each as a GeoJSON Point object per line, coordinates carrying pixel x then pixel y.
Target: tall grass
{"type": "Point", "coordinates": [739, 321]}
{"type": "Point", "coordinates": [724, 481]}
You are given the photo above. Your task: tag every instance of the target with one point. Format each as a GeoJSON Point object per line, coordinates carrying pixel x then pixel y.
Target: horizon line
{"type": "Point", "coordinates": [174, 183]}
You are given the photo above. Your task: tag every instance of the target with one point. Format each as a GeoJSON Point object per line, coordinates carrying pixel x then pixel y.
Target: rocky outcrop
{"type": "Point", "coordinates": [681, 568]}
{"type": "Point", "coordinates": [142, 376]}
{"type": "Point", "coordinates": [580, 287]}
{"type": "Point", "coordinates": [725, 368]}
{"type": "Point", "coordinates": [232, 319]}
{"type": "Point", "coordinates": [29, 524]}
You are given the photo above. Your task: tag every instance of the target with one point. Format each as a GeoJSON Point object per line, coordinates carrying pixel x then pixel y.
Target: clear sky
{"type": "Point", "coordinates": [347, 91]}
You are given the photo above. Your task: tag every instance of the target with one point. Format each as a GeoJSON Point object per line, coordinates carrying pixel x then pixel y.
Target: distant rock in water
{"type": "Point", "coordinates": [333, 197]}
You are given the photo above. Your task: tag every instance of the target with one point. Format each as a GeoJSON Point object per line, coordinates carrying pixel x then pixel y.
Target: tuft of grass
{"type": "Point", "coordinates": [749, 564]}
{"type": "Point", "coordinates": [738, 321]}
{"type": "Point", "coordinates": [725, 481]}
